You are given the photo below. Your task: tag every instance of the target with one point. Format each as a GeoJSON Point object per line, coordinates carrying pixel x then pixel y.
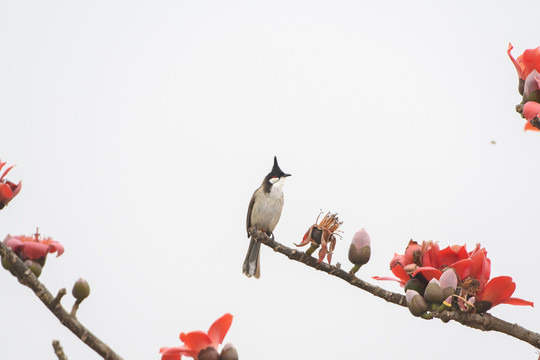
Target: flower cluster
{"type": "Point", "coordinates": [8, 190]}
{"type": "Point", "coordinates": [528, 67]}
{"type": "Point", "coordinates": [201, 345]}
{"type": "Point", "coordinates": [474, 289]}
{"type": "Point", "coordinates": [323, 234]}
{"type": "Point", "coordinates": [32, 250]}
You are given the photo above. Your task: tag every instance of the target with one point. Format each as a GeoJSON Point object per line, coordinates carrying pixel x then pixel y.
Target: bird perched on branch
{"type": "Point", "coordinates": [263, 214]}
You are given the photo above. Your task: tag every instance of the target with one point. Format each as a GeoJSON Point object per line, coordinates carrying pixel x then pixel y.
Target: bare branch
{"type": "Point", "coordinates": [26, 277]}
{"type": "Point", "coordinates": [58, 350]}
{"type": "Point", "coordinates": [484, 322]}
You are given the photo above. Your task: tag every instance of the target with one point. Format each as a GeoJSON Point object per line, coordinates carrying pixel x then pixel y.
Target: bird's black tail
{"type": "Point", "coordinates": [251, 263]}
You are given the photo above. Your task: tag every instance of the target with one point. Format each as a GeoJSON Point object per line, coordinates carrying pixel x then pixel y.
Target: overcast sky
{"type": "Point", "coordinates": [141, 129]}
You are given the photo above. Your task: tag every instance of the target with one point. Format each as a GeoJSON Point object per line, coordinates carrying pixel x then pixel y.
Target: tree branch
{"type": "Point", "coordinates": [58, 350]}
{"type": "Point", "coordinates": [26, 277]}
{"type": "Point", "coordinates": [484, 322]}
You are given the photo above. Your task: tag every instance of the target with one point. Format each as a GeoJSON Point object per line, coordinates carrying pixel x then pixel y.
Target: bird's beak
{"type": "Point", "coordinates": [285, 175]}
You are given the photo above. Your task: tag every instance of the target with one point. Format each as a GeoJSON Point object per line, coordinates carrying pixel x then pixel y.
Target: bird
{"type": "Point", "coordinates": [263, 214]}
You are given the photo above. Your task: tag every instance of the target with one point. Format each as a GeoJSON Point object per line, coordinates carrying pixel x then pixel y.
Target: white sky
{"type": "Point", "coordinates": [140, 130]}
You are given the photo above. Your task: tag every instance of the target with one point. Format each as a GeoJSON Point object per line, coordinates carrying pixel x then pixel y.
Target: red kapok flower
{"type": "Point", "coordinates": [8, 190]}
{"type": "Point", "coordinates": [195, 341]}
{"type": "Point", "coordinates": [33, 247]}
{"type": "Point", "coordinates": [528, 67]}
{"type": "Point", "coordinates": [473, 270]}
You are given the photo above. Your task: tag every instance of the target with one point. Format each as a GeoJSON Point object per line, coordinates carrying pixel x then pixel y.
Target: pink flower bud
{"type": "Point", "coordinates": [416, 303]}
{"type": "Point", "coordinates": [360, 249]}
{"type": "Point", "coordinates": [434, 293]}
{"type": "Point", "coordinates": [448, 282]}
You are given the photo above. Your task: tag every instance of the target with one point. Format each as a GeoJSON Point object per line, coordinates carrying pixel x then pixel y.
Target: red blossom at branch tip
{"type": "Point", "coordinates": [472, 268]}
{"type": "Point", "coordinates": [33, 247]}
{"type": "Point", "coordinates": [8, 190]}
{"type": "Point", "coordinates": [195, 341]}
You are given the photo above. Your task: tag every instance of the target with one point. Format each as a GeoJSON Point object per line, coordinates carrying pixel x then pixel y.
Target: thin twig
{"type": "Point", "coordinates": [58, 350]}
{"type": "Point", "coordinates": [75, 307]}
{"type": "Point", "coordinates": [484, 322]}
{"type": "Point", "coordinates": [26, 277]}
{"type": "Point", "coordinates": [59, 296]}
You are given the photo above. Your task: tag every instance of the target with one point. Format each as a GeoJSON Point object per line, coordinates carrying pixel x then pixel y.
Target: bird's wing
{"type": "Point", "coordinates": [248, 220]}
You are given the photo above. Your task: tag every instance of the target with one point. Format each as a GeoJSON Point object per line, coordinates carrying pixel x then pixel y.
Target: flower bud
{"type": "Point", "coordinates": [448, 281]}
{"type": "Point", "coordinates": [434, 293]}
{"type": "Point", "coordinates": [81, 290]}
{"type": "Point", "coordinates": [360, 249]}
{"type": "Point", "coordinates": [416, 285]}
{"type": "Point", "coordinates": [34, 266]}
{"type": "Point", "coordinates": [208, 354]}
{"type": "Point", "coordinates": [416, 303]}
{"type": "Point", "coordinates": [229, 352]}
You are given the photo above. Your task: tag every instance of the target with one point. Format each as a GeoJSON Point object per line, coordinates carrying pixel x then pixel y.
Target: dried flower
{"type": "Point", "coordinates": [323, 234]}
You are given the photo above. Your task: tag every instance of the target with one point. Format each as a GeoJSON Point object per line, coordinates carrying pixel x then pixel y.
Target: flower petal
{"type": "Point", "coordinates": [451, 254]}
{"type": "Point", "coordinates": [196, 340]}
{"type": "Point", "coordinates": [12, 242]}
{"type": "Point", "coordinates": [531, 109]}
{"type": "Point", "coordinates": [7, 170]}
{"type": "Point", "coordinates": [219, 329]}
{"type": "Point", "coordinates": [529, 126]}
{"type": "Point", "coordinates": [6, 193]}
{"type": "Point", "coordinates": [531, 61]}
{"type": "Point", "coordinates": [518, 301]}
{"type": "Point", "coordinates": [498, 290]}
{"type": "Point", "coordinates": [401, 274]}
{"type": "Point", "coordinates": [462, 267]}
{"type": "Point", "coordinates": [55, 246]}
{"type": "Point", "coordinates": [518, 67]}
{"type": "Point", "coordinates": [428, 273]}
{"type": "Point", "coordinates": [388, 278]}
{"type": "Point", "coordinates": [34, 250]}
{"type": "Point", "coordinates": [175, 353]}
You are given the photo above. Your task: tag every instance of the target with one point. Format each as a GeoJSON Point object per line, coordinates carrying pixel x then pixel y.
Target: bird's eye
{"type": "Point", "coordinates": [274, 180]}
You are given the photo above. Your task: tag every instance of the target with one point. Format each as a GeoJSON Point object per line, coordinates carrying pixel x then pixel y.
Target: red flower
{"type": "Point", "coordinates": [528, 66]}
{"type": "Point", "coordinates": [8, 190]}
{"type": "Point", "coordinates": [472, 268]}
{"type": "Point", "coordinates": [196, 341]}
{"type": "Point", "coordinates": [33, 247]}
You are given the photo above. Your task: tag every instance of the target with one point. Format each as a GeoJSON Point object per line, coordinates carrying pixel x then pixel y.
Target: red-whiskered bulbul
{"type": "Point", "coordinates": [263, 214]}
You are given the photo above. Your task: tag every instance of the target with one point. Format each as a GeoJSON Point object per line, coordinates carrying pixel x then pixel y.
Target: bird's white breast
{"type": "Point", "coordinates": [267, 207]}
